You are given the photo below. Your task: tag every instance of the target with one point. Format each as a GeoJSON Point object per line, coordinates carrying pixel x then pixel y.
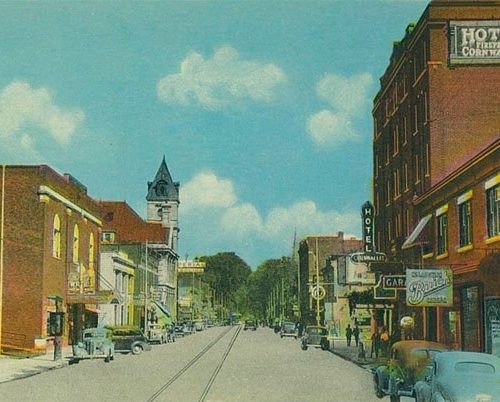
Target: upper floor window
{"type": "Point", "coordinates": [493, 206]}
{"type": "Point", "coordinates": [91, 251]}
{"type": "Point", "coordinates": [108, 237]}
{"type": "Point", "coordinates": [442, 230]}
{"type": "Point", "coordinates": [56, 237]}
{"type": "Point", "coordinates": [395, 139]}
{"type": "Point", "coordinates": [465, 219]}
{"type": "Point", "coordinates": [76, 243]}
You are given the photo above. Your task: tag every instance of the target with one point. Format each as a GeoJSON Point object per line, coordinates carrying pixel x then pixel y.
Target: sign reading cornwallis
{"type": "Point", "coordinates": [429, 287]}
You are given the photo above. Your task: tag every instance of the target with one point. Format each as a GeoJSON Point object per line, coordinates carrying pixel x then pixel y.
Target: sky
{"type": "Point", "coordinates": [262, 109]}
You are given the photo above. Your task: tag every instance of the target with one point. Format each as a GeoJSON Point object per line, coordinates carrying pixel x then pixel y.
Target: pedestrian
{"type": "Point", "coordinates": [384, 341]}
{"type": "Point", "coordinates": [348, 334]}
{"type": "Point", "coordinates": [355, 333]}
{"type": "Point", "coordinates": [375, 338]}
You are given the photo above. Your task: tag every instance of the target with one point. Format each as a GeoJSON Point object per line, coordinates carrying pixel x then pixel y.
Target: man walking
{"type": "Point", "coordinates": [348, 334]}
{"type": "Point", "coordinates": [355, 333]}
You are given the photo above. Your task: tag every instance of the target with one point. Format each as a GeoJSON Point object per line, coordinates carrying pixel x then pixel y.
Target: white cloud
{"type": "Point", "coordinates": [348, 98]}
{"type": "Point", "coordinates": [222, 220]}
{"type": "Point", "coordinates": [217, 82]}
{"type": "Point", "coordinates": [23, 107]}
{"type": "Point", "coordinates": [206, 190]}
{"type": "Point", "coordinates": [326, 127]}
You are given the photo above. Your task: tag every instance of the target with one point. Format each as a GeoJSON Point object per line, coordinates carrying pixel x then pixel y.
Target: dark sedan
{"type": "Point", "coordinates": [316, 336]}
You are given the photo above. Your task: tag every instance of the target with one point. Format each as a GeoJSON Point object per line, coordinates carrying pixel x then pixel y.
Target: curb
{"type": "Point", "coordinates": [364, 365]}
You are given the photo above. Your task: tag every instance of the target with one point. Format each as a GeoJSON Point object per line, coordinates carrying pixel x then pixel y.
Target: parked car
{"type": "Point", "coordinates": [316, 336]}
{"type": "Point", "coordinates": [179, 330]}
{"type": "Point", "coordinates": [171, 333]}
{"type": "Point", "coordinates": [129, 339]}
{"type": "Point", "coordinates": [408, 362]}
{"type": "Point", "coordinates": [288, 329]}
{"type": "Point", "coordinates": [461, 376]}
{"type": "Point", "coordinates": [199, 325]}
{"type": "Point", "coordinates": [157, 333]}
{"type": "Point", "coordinates": [96, 343]}
{"type": "Point", "coordinates": [250, 324]}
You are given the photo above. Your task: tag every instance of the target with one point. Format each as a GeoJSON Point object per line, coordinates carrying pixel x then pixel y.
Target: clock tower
{"type": "Point", "coordinates": [163, 203]}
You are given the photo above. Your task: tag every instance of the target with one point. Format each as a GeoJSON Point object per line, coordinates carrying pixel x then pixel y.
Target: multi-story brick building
{"type": "Point", "coordinates": [49, 255]}
{"type": "Point", "coordinates": [437, 110]}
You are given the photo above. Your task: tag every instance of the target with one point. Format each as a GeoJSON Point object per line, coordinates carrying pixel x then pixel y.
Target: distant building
{"type": "Point", "coordinates": [49, 255]}
{"type": "Point", "coordinates": [315, 255]}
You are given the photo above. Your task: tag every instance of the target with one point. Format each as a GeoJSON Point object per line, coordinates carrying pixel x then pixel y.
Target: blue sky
{"type": "Point", "coordinates": [261, 108]}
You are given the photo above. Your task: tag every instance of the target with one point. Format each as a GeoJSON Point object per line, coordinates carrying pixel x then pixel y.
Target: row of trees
{"type": "Point", "coordinates": [267, 292]}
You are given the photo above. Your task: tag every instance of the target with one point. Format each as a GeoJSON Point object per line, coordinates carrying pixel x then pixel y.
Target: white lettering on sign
{"type": "Point", "coordinates": [473, 42]}
{"type": "Point", "coordinates": [367, 219]}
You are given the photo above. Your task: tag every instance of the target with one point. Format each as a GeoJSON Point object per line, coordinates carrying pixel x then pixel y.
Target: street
{"type": "Point", "coordinates": [218, 364]}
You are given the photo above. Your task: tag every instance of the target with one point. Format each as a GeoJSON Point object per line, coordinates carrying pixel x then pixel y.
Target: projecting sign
{"type": "Point", "coordinates": [474, 42]}
{"type": "Point", "coordinates": [194, 267]}
{"type": "Point", "coordinates": [367, 212]}
{"type": "Point", "coordinates": [394, 281]}
{"type": "Point", "coordinates": [368, 257]}
{"type": "Point", "coordinates": [357, 272]}
{"type": "Point", "coordinates": [429, 287]}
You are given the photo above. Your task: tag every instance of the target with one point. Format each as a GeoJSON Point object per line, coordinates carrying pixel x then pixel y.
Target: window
{"type": "Point", "coordinates": [76, 243]}
{"type": "Point", "coordinates": [465, 219]}
{"type": "Point", "coordinates": [108, 237]}
{"type": "Point", "coordinates": [56, 237]}
{"type": "Point", "coordinates": [388, 193]}
{"type": "Point", "coordinates": [417, 168]}
{"type": "Point", "coordinates": [395, 140]}
{"type": "Point", "coordinates": [397, 183]}
{"type": "Point", "coordinates": [442, 231]}
{"type": "Point", "coordinates": [493, 210]}
{"type": "Point", "coordinates": [427, 159]}
{"type": "Point", "coordinates": [405, 130]}
{"type": "Point", "coordinates": [91, 251]}
{"type": "Point", "coordinates": [405, 173]}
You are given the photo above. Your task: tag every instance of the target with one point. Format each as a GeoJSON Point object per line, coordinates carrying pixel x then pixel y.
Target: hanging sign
{"type": "Point", "coordinates": [429, 287]}
{"type": "Point", "coordinates": [367, 212]}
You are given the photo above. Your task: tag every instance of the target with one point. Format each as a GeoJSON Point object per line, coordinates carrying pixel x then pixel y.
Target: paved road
{"type": "Point", "coordinates": [219, 364]}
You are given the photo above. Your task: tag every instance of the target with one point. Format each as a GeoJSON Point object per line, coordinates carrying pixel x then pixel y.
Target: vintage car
{"type": "Point", "coordinates": [461, 376]}
{"type": "Point", "coordinates": [157, 333]}
{"type": "Point", "coordinates": [408, 363]}
{"type": "Point", "coordinates": [316, 336]}
{"type": "Point", "coordinates": [250, 324]}
{"type": "Point", "coordinates": [129, 339]}
{"type": "Point", "coordinates": [288, 329]}
{"type": "Point", "coordinates": [96, 343]}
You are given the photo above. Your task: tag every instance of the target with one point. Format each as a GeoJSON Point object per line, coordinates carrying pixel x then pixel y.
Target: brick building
{"type": "Point", "coordinates": [435, 113]}
{"type": "Point", "coordinates": [49, 255]}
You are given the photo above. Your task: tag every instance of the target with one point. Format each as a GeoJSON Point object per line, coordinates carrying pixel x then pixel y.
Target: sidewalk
{"type": "Point", "coordinates": [352, 353]}
{"type": "Point", "coordinates": [13, 368]}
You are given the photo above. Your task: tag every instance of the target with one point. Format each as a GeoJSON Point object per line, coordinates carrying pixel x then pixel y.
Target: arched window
{"type": "Point", "coordinates": [76, 243]}
{"type": "Point", "coordinates": [91, 251]}
{"type": "Point", "coordinates": [56, 237]}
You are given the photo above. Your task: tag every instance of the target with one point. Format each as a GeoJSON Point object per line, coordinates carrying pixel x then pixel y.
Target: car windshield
{"type": "Point", "coordinates": [289, 326]}
{"type": "Point", "coordinates": [317, 331]}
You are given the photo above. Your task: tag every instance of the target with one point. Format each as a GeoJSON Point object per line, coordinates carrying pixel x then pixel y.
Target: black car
{"type": "Point", "coordinates": [129, 339]}
{"type": "Point", "coordinates": [249, 324]}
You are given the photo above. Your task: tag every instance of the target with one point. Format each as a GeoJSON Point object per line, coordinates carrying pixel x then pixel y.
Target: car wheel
{"type": "Point", "coordinates": [304, 347]}
{"type": "Point", "coordinates": [395, 398]}
{"type": "Point", "coordinates": [378, 390]}
{"type": "Point", "coordinates": [136, 349]}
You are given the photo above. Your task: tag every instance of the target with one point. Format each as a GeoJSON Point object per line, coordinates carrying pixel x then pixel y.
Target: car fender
{"type": "Point", "coordinates": [382, 373]}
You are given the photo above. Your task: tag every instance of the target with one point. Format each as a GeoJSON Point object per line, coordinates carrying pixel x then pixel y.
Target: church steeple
{"type": "Point", "coordinates": [163, 188]}
{"type": "Point", "coordinates": [163, 202]}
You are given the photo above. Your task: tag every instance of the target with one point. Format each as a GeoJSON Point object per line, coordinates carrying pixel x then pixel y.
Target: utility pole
{"type": "Point", "coordinates": [318, 318]}
{"type": "Point", "coordinates": [2, 213]}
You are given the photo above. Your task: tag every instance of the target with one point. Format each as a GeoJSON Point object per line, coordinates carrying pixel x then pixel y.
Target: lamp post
{"type": "Point", "coordinates": [316, 262]}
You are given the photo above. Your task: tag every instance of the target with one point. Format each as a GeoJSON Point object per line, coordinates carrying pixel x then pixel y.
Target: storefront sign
{"type": "Point", "coordinates": [368, 257]}
{"type": "Point", "coordinates": [358, 272]}
{"type": "Point", "coordinates": [429, 287]}
{"type": "Point", "coordinates": [194, 267]}
{"type": "Point", "coordinates": [474, 42]}
{"type": "Point", "coordinates": [381, 293]}
{"type": "Point", "coordinates": [394, 281]}
{"type": "Point", "coordinates": [367, 212]}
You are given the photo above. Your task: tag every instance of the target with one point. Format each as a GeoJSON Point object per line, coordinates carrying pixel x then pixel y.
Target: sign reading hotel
{"type": "Point", "coordinates": [474, 42]}
{"type": "Point", "coordinates": [429, 287]}
{"type": "Point", "coordinates": [188, 267]}
{"type": "Point", "coordinates": [367, 212]}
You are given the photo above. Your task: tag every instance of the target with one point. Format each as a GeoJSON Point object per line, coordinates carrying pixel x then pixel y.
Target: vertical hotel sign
{"type": "Point", "coordinates": [367, 212]}
{"type": "Point", "coordinates": [474, 42]}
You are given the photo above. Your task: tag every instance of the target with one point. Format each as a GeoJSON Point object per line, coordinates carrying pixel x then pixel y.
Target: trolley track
{"type": "Point", "coordinates": [195, 359]}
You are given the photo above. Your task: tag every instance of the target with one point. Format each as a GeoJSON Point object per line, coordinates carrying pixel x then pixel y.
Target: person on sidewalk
{"type": "Point", "coordinates": [375, 338]}
{"type": "Point", "coordinates": [384, 341]}
{"type": "Point", "coordinates": [348, 334]}
{"type": "Point", "coordinates": [355, 333]}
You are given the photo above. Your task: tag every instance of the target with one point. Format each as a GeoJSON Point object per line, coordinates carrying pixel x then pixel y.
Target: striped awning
{"type": "Point", "coordinates": [416, 237]}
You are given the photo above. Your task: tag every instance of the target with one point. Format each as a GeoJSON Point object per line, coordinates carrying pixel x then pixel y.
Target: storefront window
{"type": "Point", "coordinates": [465, 219]}
{"type": "Point", "coordinates": [493, 210]}
{"type": "Point", "coordinates": [442, 227]}
{"type": "Point", "coordinates": [471, 332]}
{"type": "Point", "coordinates": [492, 318]}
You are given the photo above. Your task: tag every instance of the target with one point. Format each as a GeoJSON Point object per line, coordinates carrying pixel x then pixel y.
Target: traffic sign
{"type": "Point", "coordinates": [318, 292]}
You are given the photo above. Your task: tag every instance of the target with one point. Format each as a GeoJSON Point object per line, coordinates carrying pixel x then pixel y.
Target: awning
{"type": "Point", "coordinates": [162, 313]}
{"type": "Point", "coordinates": [418, 235]}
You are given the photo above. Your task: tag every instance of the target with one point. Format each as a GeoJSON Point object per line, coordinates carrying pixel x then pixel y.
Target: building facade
{"type": "Point", "coordinates": [434, 115]}
{"type": "Point", "coordinates": [315, 255]}
{"type": "Point", "coordinates": [49, 256]}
